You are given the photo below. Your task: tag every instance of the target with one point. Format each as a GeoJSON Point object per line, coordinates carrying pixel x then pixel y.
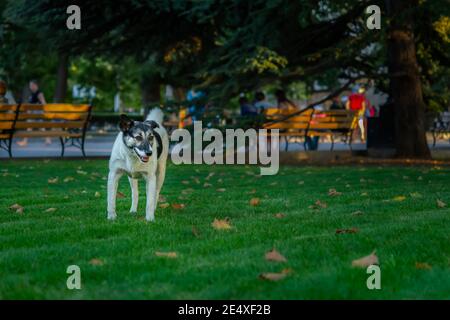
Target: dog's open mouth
{"type": "Point", "coordinates": [143, 159]}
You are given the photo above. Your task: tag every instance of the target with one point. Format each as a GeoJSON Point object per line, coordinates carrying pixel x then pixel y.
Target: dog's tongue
{"type": "Point", "coordinates": [145, 158]}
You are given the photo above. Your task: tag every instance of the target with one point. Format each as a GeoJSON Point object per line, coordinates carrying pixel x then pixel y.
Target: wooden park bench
{"type": "Point", "coordinates": [67, 122]}
{"type": "Point", "coordinates": [313, 123]}
{"type": "Point", "coordinates": [8, 117]}
{"type": "Point", "coordinates": [441, 126]}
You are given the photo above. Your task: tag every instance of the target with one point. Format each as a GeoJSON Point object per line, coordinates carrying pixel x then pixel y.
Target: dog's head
{"type": "Point", "coordinates": [139, 136]}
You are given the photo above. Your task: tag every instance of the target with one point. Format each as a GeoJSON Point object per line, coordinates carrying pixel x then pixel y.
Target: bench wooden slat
{"type": "Point", "coordinates": [6, 125]}
{"type": "Point", "coordinates": [49, 124]}
{"type": "Point", "coordinates": [7, 116]}
{"type": "Point", "coordinates": [8, 107]}
{"type": "Point", "coordinates": [52, 133]}
{"type": "Point", "coordinates": [53, 116]}
{"type": "Point", "coordinates": [55, 107]}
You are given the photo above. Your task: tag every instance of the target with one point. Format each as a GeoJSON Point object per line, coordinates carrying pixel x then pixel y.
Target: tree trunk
{"type": "Point", "coordinates": [405, 85]}
{"type": "Point", "coordinates": [61, 78]}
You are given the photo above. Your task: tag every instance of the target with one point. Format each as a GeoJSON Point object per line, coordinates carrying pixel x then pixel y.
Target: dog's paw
{"type": "Point", "coordinates": [150, 218]}
{"type": "Point", "coordinates": [112, 216]}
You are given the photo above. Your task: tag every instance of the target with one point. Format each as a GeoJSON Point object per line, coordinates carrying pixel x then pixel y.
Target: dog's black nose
{"type": "Point", "coordinates": [148, 153]}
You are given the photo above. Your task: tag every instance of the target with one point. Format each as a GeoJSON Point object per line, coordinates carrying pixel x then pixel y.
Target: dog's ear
{"type": "Point", "coordinates": [125, 123]}
{"type": "Point", "coordinates": [152, 124]}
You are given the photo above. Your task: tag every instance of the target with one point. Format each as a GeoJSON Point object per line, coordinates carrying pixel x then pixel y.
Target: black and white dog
{"type": "Point", "coordinates": [140, 150]}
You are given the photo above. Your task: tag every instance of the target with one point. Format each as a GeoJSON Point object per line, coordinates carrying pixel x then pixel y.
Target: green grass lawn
{"type": "Point", "coordinates": [400, 220]}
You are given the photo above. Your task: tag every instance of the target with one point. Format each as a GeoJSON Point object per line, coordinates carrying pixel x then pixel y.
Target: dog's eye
{"type": "Point", "coordinates": [138, 138]}
{"type": "Point", "coordinates": [150, 138]}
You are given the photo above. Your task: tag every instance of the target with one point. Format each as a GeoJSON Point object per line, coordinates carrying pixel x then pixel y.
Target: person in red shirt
{"type": "Point", "coordinates": [357, 102]}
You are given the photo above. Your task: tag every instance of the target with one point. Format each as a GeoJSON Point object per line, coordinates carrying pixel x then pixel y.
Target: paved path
{"type": "Point", "coordinates": [100, 146]}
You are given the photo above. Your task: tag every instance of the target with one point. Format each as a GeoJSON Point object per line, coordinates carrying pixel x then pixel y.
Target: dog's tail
{"type": "Point", "coordinates": [155, 114]}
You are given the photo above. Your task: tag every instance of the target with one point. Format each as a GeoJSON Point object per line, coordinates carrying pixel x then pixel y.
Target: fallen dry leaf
{"type": "Point", "coordinates": [171, 255]}
{"type": "Point", "coordinates": [423, 266]}
{"type": "Point", "coordinates": [96, 262]}
{"type": "Point", "coordinates": [187, 191]}
{"type": "Point", "coordinates": [53, 181]}
{"type": "Point", "coordinates": [120, 195]}
{"type": "Point", "coordinates": [272, 276]}
{"type": "Point", "coordinates": [185, 182]}
{"type": "Point", "coordinates": [68, 179]}
{"type": "Point", "coordinates": [399, 198]}
{"type": "Point", "coordinates": [162, 198]}
{"type": "Point", "coordinates": [318, 205]}
{"type": "Point", "coordinates": [351, 230]}
{"type": "Point", "coordinates": [207, 185]}
{"type": "Point", "coordinates": [254, 202]}
{"type": "Point", "coordinates": [178, 206]}
{"type": "Point", "coordinates": [221, 224]}
{"type": "Point", "coordinates": [334, 193]}
{"type": "Point", "coordinates": [440, 203]}
{"type": "Point", "coordinates": [82, 172]}
{"type": "Point", "coordinates": [221, 190]}
{"type": "Point", "coordinates": [164, 205]}
{"type": "Point", "coordinates": [17, 208]}
{"type": "Point", "coordinates": [51, 210]}
{"type": "Point", "coordinates": [366, 261]}
{"type": "Point", "coordinates": [274, 255]}
{"type": "Point", "coordinates": [280, 215]}
{"type": "Point", "coordinates": [357, 213]}
{"type": "Point", "coordinates": [97, 194]}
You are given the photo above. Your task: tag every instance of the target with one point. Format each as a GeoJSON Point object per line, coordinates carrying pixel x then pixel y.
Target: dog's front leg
{"type": "Point", "coordinates": [134, 194]}
{"type": "Point", "coordinates": [151, 198]}
{"type": "Point", "coordinates": [113, 182]}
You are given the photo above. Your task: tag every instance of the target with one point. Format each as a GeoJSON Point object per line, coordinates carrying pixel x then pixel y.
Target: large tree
{"type": "Point", "coordinates": [230, 46]}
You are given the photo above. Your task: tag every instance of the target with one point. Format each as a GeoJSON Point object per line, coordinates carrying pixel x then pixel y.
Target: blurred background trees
{"type": "Point", "coordinates": [134, 48]}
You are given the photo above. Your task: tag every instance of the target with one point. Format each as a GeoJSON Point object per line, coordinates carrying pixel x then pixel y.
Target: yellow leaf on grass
{"type": "Point", "coordinates": [178, 206]}
{"type": "Point", "coordinates": [17, 208]}
{"type": "Point", "coordinates": [53, 181]}
{"type": "Point", "coordinates": [274, 255]}
{"type": "Point", "coordinates": [164, 205]}
{"type": "Point", "coordinates": [334, 193]}
{"type": "Point", "coordinates": [171, 255]}
{"type": "Point", "coordinates": [272, 276]}
{"type": "Point", "coordinates": [97, 194]}
{"type": "Point", "coordinates": [399, 198]}
{"type": "Point", "coordinates": [120, 195]}
{"type": "Point", "coordinates": [423, 266]}
{"type": "Point", "coordinates": [254, 202]}
{"type": "Point", "coordinates": [221, 190]}
{"type": "Point", "coordinates": [366, 261]}
{"type": "Point", "coordinates": [68, 179]}
{"type": "Point", "coordinates": [83, 173]}
{"type": "Point", "coordinates": [96, 262]}
{"type": "Point", "coordinates": [221, 224]}
{"type": "Point", "coordinates": [440, 203]}
{"type": "Point", "coordinates": [280, 215]}
{"type": "Point", "coordinates": [51, 210]}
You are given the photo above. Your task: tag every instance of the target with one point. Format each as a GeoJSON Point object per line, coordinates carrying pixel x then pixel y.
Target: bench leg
{"type": "Point", "coordinates": [61, 139]}
{"type": "Point", "coordinates": [287, 144]}
{"type": "Point", "coordinates": [332, 143]}
{"type": "Point", "coordinates": [434, 139]}
{"type": "Point", "coordinates": [10, 147]}
{"type": "Point", "coordinates": [82, 148]}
